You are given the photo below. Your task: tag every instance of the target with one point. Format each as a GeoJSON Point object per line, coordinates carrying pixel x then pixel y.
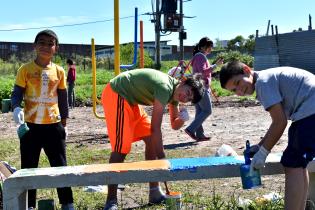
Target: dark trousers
{"type": "Point", "coordinates": [71, 95]}
{"type": "Point", "coordinates": [50, 138]}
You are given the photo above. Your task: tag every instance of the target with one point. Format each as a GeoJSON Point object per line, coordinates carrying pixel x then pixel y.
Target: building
{"type": "Point", "coordinates": [168, 52]}
{"type": "Point", "coordinates": [7, 49]}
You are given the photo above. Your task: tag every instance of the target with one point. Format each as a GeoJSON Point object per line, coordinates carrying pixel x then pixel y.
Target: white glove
{"type": "Point", "coordinates": [66, 132]}
{"type": "Point", "coordinates": [18, 115]}
{"type": "Point", "coordinates": [183, 114]}
{"type": "Point", "coordinates": [259, 159]}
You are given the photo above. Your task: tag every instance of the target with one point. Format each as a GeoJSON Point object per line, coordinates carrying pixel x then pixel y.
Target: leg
{"type": "Point", "coordinates": [296, 181]}
{"type": "Point", "coordinates": [203, 111]}
{"type": "Point", "coordinates": [155, 195]}
{"type": "Point", "coordinates": [30, 147]}
{"type": "Point", "coordinates": [70, 93]}
{"type": "Point", "coordinates": [150, 155]}
{"type": "Point", "coordinates": [115, 157]}
{"type": "Point", "coordinates": [55, 149]}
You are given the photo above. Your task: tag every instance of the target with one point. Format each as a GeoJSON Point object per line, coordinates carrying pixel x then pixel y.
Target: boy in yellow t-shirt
{"type": "Point", "coordinates": [42, 86]}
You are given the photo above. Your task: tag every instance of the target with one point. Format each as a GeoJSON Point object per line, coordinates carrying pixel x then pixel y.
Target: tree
{"type": "Point", "coordinates": [236, 44]}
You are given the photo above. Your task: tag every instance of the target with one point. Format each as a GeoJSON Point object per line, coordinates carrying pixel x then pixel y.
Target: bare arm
{"type": "Point", "coordinates": [156, 133]}
{"type": "Point", "coordinates": [277, 127]}
{"type": "Point", "coordinates": [176, 122]}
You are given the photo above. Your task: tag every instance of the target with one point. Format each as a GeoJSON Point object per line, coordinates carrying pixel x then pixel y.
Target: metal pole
{"type": "Point", "coordinates": [157, 35]}
{"type": "Point", "coordinates": [116, 37]}
{"type": "Point", "coordinates": [181, 31]}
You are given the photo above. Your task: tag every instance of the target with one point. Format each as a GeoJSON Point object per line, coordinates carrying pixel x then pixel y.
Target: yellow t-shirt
{"type": "Point", "coordinates": [40, 97]}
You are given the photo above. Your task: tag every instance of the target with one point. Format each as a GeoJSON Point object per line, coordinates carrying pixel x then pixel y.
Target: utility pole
{"type": "Point", "coordinates": [157, 35]}
{"type": "Point", "coordinates": [181, 31]}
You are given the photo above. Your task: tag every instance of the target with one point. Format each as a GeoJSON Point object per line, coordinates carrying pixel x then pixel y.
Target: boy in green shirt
{"type": "Point", "coordinates": [127, 121]}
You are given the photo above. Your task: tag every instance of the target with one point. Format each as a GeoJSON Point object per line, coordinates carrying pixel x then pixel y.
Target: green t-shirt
{"type": "Point", "coordinates": [143, 86]}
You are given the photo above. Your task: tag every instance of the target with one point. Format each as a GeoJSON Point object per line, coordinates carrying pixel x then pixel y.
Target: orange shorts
{"type": "Point", "coordinates": [125, 123]}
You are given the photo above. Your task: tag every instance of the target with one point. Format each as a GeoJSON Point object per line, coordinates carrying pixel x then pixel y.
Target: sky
{"type": "Point", "coordinates": [78, 21]}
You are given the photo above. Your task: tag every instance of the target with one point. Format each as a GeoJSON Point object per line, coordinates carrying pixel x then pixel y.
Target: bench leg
{"type": "Point", "coordinates": [18, 202]}
{"type": "Point", "coordinates": [311, 188]}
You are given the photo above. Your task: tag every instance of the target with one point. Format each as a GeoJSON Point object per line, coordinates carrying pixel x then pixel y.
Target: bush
{"type": "Point", "coordinates": [236, 55]}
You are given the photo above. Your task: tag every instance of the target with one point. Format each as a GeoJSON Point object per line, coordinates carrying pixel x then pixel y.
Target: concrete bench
{"type": "Point", "coordinates": [16, 186]}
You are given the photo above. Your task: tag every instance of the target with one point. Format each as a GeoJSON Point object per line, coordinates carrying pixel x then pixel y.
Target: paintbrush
{"type": "Point", "coordinates": [166, 188]}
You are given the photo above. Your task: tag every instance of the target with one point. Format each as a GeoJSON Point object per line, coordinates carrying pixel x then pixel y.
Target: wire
{"type": "Point", "coordinates": [65, 25]}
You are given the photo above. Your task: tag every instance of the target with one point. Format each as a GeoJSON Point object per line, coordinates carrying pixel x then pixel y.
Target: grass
{"type": "Point", "coordinates": [196, 194]}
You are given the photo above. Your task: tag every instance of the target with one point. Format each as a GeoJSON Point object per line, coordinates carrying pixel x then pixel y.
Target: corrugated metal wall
{"type": "Point", "coordinates": [295, 49]}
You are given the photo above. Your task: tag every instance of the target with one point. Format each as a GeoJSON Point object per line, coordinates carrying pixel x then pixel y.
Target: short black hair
{"type": "Point", "coordinates": [47, 32]}
{"type": "Point", "coordinates": [230, 70]}
{"type": "Point", "coordinates": [197, 85]}
{"type": "Point", "coordinates": [69, 61]}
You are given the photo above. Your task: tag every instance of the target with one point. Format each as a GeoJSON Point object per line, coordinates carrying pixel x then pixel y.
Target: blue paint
{"type": "Point", "coordinates": [193, 163]}
{"type": "Point", "coordinates": [250, 179]}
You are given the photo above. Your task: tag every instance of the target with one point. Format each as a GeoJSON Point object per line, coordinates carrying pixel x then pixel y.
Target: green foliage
{"type": "Point", "coordinates": [239, 43]}
{"type": "Point", "coordinates": [236, 55]}
{"type": "Point", "coordinates": [6, 87]}
{"type": "Point", "coordinates": [126, 54]}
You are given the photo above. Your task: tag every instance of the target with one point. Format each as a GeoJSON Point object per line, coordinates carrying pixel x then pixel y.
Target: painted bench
{"type": "Point", "coordinates": [16, 186]}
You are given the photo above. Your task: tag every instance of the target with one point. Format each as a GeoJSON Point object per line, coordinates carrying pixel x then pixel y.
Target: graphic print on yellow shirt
{"type": "Point", "coordinates": [40, 97]}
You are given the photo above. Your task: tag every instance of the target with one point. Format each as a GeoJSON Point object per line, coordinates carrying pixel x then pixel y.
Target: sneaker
{"type": "Point", "coordinates": [111, 205]}
{"type": "Point", "coordinates": [205, 138]}
{"type": "Point", "coordinates": [157, 201]}
{"type": "Point", "coordinates": [191, 134]}
{"type": "Point", "coordinates": [31, 208]}
{"type": "Point", "coordinates": [156, 196]}
{"type": "Point", "coordinates": [68, 206]}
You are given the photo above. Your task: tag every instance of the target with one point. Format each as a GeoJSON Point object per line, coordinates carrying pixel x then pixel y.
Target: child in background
{"type": "Point", "coordinates": [71, 82]}
{"type": "Point", "coordinates": [42, 84]}
{"type": "Point", "coordinates": [201, 65]}
{"type": "Point", "coordinates": [287, 93]}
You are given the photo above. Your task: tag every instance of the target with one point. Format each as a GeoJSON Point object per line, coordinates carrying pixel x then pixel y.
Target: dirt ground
{"type": "Point", "coordinates": [232, 122]}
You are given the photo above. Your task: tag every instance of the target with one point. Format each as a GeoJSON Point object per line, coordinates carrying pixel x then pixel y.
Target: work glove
{"type": "Point", "coordinates": [183, 114]}
{"type": "Point", "coordinates": [66, 132]}
{"type": "Point", "coordinates": [253, 150]}
{"type": "Point", "coordinates": [18, 115]}
{"type": "Point", "coordinates": [259, 159]}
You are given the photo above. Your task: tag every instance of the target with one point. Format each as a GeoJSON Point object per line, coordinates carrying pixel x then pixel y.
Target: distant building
{"type": "Point", "coordinates": [168, 52]}
{"type": "Point", "coordinates": [7, 49]}
{"type": "Point", "coordinates": [19, 49]}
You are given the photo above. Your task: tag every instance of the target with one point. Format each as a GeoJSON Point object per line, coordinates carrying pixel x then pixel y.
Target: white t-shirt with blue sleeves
{"type": "Point", "coordinates": [292, 87]}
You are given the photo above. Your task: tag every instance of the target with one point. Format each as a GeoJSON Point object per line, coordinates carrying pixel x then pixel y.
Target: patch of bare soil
{"type": "Point", "coordinates": [232, 122]}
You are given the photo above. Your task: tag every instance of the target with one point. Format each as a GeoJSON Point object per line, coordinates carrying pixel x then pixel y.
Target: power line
{"type": "Point", "coordinates": [65, 25]}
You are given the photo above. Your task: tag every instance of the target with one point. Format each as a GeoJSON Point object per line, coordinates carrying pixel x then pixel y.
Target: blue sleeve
{"type": "Point", "coordinates": [17, 96]}
{"type": "Point", "coordinates": [63, 103]}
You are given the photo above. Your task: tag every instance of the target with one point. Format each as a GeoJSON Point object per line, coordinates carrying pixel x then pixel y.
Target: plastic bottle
{"type": "Point", "coordinates": [249, 180]}
{"type": "Point", "coordinates": [22, 130]}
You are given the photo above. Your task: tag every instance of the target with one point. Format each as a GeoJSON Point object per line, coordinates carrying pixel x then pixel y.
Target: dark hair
{"type": "Point", "coordinates": [230, 70]}
{"type": "Point", "coordinates": [70, 62]}
{"type": "Point", "coordinates": [197, 85]}
{"type": "Point", "coordinates": [203, 42]}
{"type": "Point", "coordinates": [47, 32]}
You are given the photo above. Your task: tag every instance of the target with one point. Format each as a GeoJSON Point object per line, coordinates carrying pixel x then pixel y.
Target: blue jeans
{"type": "Point", "coordinates": [203, 111]}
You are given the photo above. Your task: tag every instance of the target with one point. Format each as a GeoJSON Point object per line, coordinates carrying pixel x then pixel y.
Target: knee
{"type": "Point", "coordinates": [207, 112]}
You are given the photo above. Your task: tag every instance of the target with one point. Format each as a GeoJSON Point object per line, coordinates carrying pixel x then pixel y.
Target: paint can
{"type": "Point", "coordinates": [173, 201]}
{"type": "Point", "coordinates": [250, 179]}
{"type": "Point", "coordinates": [46, 204]}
